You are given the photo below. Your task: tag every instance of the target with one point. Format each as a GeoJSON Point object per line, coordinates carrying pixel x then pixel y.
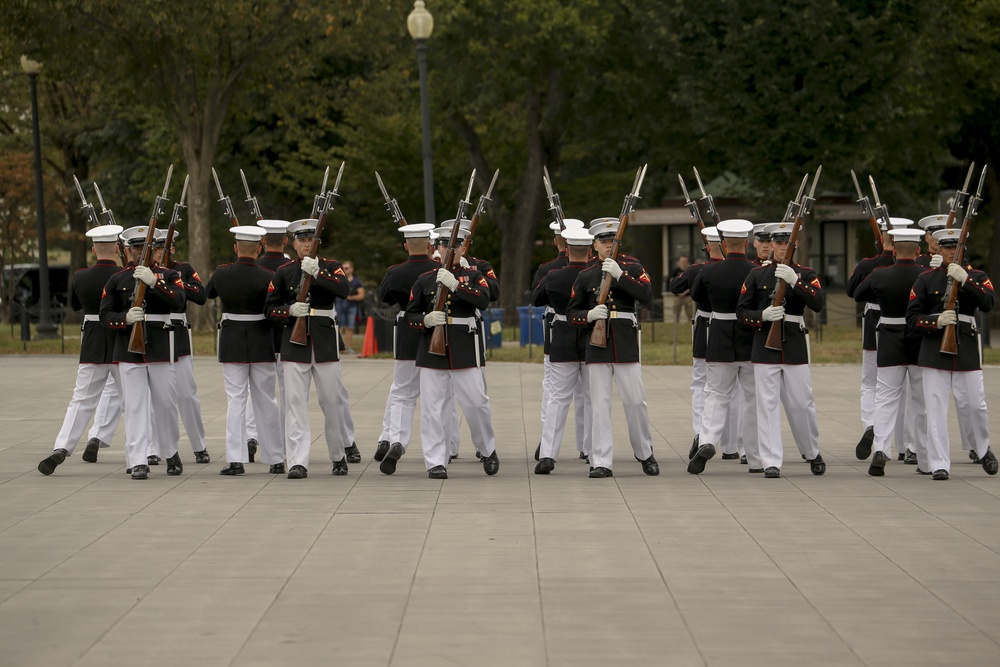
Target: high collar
{"type": "Point", "coordinates": [249, 261]}
{"type": "Point", "coordinates": [418, 258]}
{"type": "Point", "coordinates": [736, 255]}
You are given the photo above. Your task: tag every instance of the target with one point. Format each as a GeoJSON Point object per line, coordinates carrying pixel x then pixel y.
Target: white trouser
{"type": "Point", "coordinates": [970, 404]}
{"type": "Point", "coordinates": [150, 396]}
{"type": "Point", "coordinates": [188, 403]}
{"type": "Point", "coordinates": [628, 377]}
{"type": "Point", "coordinates": [869, 379]}
{"type": "Point", "coordinates": [792, 386]}
{"type": "Point", "coordinates": [731, 439]}
{"type": "Point", "coordinates": [582, 414]}
{"type": "Point", "coordinates": [438, 389]}
{"type": "Point", "coordinates": [452, 435]}
{"type": "Point", "coordinates": [546, 381]}
{"type": "Point", "coordinates": [724, 382]}
{"type": "Point", "coordinates": [90, 382]}
{"type": "Point", "coordinates": [260, 380]}
{"type": "Point", "coordinates": [566, 378]}
{"type": "Point", "coordinates": [298, 434]}
{"type": "Point", "coordinates": [890, 405]}
{"type": "Point", "coordinates": [397, 420]}
{"type": "Point", "coordinates": [252, 418]}
{"type": "Point", "coordinates": [699, 369]}
{"type": "Point", "coordinates": [346, 421]}
{"type": "Point", "coordinates": [905, 433]}
{"type": "Point", "coordinates": [109, 411]}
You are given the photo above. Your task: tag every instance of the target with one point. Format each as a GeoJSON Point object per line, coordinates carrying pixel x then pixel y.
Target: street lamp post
{"type": "Point", "coordinates": [46, 329]}
{"type": "Point", "coordinates": [420, 24]}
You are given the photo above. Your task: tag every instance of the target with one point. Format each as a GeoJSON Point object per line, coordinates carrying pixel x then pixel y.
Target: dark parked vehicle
{"type": "Point", "coordinates": [24, 281]}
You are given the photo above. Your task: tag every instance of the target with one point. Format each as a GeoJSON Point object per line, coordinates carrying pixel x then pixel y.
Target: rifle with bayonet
{"type": "Point", "coordinates": [710, 206]}
{"type": "Point", "coordinates": [959, 199]}
{"type": "Point", "coordinates": [949, 341]}
{"type": "Point", "coordinates": [692, 207]}
{"type": "Point", "coordinates": [319, 201]}
{"type": "Point", "coordinates": [299, 335]}
{"type": "Point", "coordinates": [484, 200]}
{"type": "Point", "coordinates": [775, 337]}
{"type": "Point", "coordinates": [251, 200]}
{"type": "Point", "coordinates": [391, 204]}
{"type": "Point", "coordinates": [91, 214]}
{"type": "Point", "coordinates": [791, 211]}
{"type": "Point", "coordinates": [554, 204]}
{"type": "Point", "coordinates": [137, 340]}
{"type": "Point", "coordinates": [227, 203]}
{"type": "Point", "coordinates": [869, 212]}
{"type": "Point", "coordinates": [439, 337]}
{"type": "Point", "coordinates": [880, 209]}
{"type": "Point", "coordinates": [599, 336]}
{"type": "Point", "coordinates": [174, 218]}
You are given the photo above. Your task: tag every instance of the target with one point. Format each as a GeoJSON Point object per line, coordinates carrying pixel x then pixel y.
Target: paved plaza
{"type": "Point", "coordinates": [725, 568]}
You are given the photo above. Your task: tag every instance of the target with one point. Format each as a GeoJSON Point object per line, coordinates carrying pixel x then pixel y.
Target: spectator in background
{"type": "Point", "coordinates": [347, 309]}
{"type": "Point", "coordinates": [683, 300]}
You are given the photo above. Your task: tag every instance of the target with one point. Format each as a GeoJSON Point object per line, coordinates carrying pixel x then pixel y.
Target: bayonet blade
{"type": "Point", "coordinates": [381, 187]}
{"type": "Point", "coordinates": [684, 189]}
{"type": "Point", "coordinates": [968, 177]}
{"type": "Point", "coordinates": [489, 192]}
{"type": "Point", "coordinates": [243, 177]}
{"type": "Point", "coordinates": [857, 186]}
{"type": "Point", "coordinates": [79, 189]}
{"type": "Point", "coordinates": [701, 186]}
{"type": "Point", "coordinates": [812, 190]}
{"type": "Point", "coordinates": [182, 202]}
{"type": "Point", "coordinates": [468, 194]}
{"type": "Point", "coordinates": [340, 173]}
{"type": "Point", "coordinates": [802, 187]}
{"type": "Point", "coordinates": [218, 186]}
{"type": "Point", "coordinates": [166, 184]}
{"type": "Point", "coordinates": [871, 182]}
{"type": "Point", "coordinates": [982, 181]}
{"type": "Point", "coordinates": [326, 175]}
{"type": "Point", "coordinates": [548, 184]}
{"type": "Point", "coordinates": [640, 176]}
{"type": "Point", "coordinates": [100, 199]}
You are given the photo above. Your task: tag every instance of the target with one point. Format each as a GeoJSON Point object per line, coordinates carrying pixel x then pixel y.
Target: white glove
{"type": "Point", "coordinates": [773, 313]}
{"type": "Point", "coordinates": [311, 266]}
{"type": "Point", "coordinates": [947, 318]}
{"type": "Point", "coordinates": [299, 309]}
{"type": "Point", "coordinates": [436, 255]}
{"type": "Point", "coordinates": [135, 314]}
{"type": "Point", "coordinates": [610, 266]}
{"type": "Point", "coordinates": [435, 318]}
{"type": "Point", "coordinates": [936, 261]}
{"type": "Point", "coordinates": [446, 278]}
{"type": "Point", "coordinates": [766, 262]}
{"type": "Point", "coordinates": [597, 313]}
{"type": "Point", "coordinates": [144, 274]}
{"type": "Point", "coordinates": [957, 273]}
{"type": "Point", "coordinates": [463, 262]}
{"type": "Point", "coordinates": [786, 273]}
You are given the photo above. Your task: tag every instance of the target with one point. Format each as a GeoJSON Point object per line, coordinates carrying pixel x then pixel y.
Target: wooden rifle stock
{"type": "Point", "coordinates": [599, 335]}
{"type": "Point", "coordinates": [878, 234]}
{"type": "Point", "coordinates": [300, 334]}
{"type": "Point", "coordinates": [775, 337]}
{"type": "Point", "coordinates": [439, 337]}
{"type": "Point", "coordinates": [137, 340]}
{"type": "Point", "coordinates": [949, 341]}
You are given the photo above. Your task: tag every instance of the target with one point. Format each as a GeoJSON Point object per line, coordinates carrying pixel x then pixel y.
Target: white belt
{"type": "Point", "coordinates": [470, 322]}
{"type": "Point", "coordinates": [619, 315]}
{"type": "Point", "coordinates": [179, 317]}
{"type": "Point", "coordinates": [400, 315]}
{"type": "Point", "coordinates": [236, 317]}
{"type": "Point", "coordinates": [901, 321]}
{"type": "Point", "coordinates": [968, 319]}
{"type": "Point", "coordinates": [797, 319]}
{"type": "Point", "coordinates": [558, 318]}
{"type": "Point", "coordinates": [165, 319]}
{"type": "Point", "coordinates": [332, 314]}
{"type": "Point", "coordinates": [872, 306]}
{"type": "Point", "coordinates": [724, 316]}
{"type": "Point", "coordinates": [702, 313]}
{"type": "Point", "coordinates": [91, 318]}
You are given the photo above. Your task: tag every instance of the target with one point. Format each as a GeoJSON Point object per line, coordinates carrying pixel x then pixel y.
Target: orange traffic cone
{"type": "Point", "coordinates": [370, 347]}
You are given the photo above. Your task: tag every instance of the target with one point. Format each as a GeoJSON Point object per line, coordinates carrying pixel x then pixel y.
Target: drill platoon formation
{"type": "Point", "coordinates": [278, 334]}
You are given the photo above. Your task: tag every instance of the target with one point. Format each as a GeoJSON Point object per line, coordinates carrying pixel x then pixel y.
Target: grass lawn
{"type": "Point", "coordinates": [830, 345]}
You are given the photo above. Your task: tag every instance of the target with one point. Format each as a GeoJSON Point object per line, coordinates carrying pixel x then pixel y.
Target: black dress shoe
{"type": "Point", "coordinates": [696, 466]}
{"type": "Point", "coordinates": [353, 454]}
{"type": "Point", "coordinates": [153, 460]}
{"type": "Point", "coordinates": [452, 458]}
{"type": "Point", "coordinates": [340, 467]}
{"type": "Point", "coordinates": [600, 472]}
{"type": "Point", "coordinates": [989, 462]}
{"type": "Point", "coordinates": [491, 463]}
{"type": "Point", "coordinates": [650, 466]}
{"type": "Point", "coordinates": [202, 457]}
{"type": "Point", "coordinates": [910, 459]}
{"type": "Point", "coordinates": [922, 472]}
{"type": "Point", "coordinates": [538, 450]}
{"type": "Point", "coordinates": [772, 473]}
{"type": "Point", "coordinates": [940, 475]}
{"type": "Point", "coordinates": [388, 465]}
{"type": "Point", "coordinates": [755, 470]}
{"type": "Point", "coordinates": [90, 452]}
{"type": "Point", "coordinates": [174, 465]}
{"type": "Point", "coordinates": [438, 472]}
{"type": "Point", "coordinates": [298, 472]}
{"type": "Point", "coordinates": [901, 456]}
{"type": "Point", "coordinates": [48, 464]}
{"type": "Point", "coordinates": [277, 469]}
{"type": "Point", "coordinates": [381, 449]}
{"type": "Point", "coordinates": [252, 449]}
{"type": "Point", "coordinates": [139, 472]}
{"type": "Point", "coordinates": [694, 447]}
{"type": "Point", "coordinates": [877, 467]}
{"type": "Point", "coordinates": [730, 457]}
{"type": "Point", "coordinates": [864, 447]}
{"type": "Point", "coordinates": [743, 460]}
{"type": "Point", "coordinates": [233, 469]}
{"type": "Point", "coordinates": [583, 457]}
{"type": "Point", "coordinates": [817, 465]}
{"type": "Point", "coordinates": [545, 466]}
{"type": "Point", "coordinates": [478, 455]}
{"type": "Point", "coordinates": [973, 456]}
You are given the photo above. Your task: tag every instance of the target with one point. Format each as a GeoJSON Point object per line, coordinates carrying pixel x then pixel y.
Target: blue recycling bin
{"type": "Point", "coordinates": [532, 330]}
{"type": "Point", "coordinates": [491, 315]}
